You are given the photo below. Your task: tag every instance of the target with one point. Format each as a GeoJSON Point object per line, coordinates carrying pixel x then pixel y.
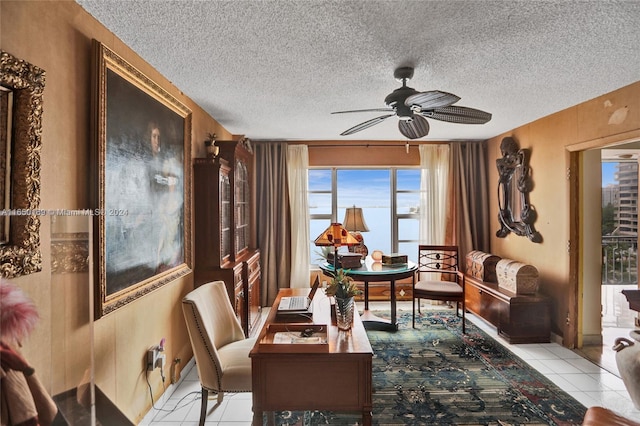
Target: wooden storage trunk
{"type": "Point", "coordinates": [482, 265]}
{"type": "Point", "coordinates": [346, 260]}
{"type": "Point", "coordinates": [517, 277]}
{"type": "Point", "coordinates": [394, 259]}
{"type": "Point", "coordinates": [519, 318]}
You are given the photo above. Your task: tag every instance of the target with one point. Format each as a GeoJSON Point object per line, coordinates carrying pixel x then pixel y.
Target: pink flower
{"type": "Point", "coordinates": [18, 314]}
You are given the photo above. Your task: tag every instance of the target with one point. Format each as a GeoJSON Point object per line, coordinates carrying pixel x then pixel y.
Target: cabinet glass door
{"type": "Point", "coordinates": [242, 206]}
{"type": "Point", "coordinates": [225, 218]}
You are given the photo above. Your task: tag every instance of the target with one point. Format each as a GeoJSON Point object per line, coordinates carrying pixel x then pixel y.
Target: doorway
{"type": "Point", "coordinates": [609, 241]}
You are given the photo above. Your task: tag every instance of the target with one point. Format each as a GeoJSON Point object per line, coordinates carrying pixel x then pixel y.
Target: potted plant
{"type": "Point", "coordinates": [210, 145]}
{"type": "Point", "coordinates": [343, 289]}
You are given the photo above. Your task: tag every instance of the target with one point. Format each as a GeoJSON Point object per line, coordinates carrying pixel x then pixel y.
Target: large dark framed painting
{"type": "Point", "coordinates": [21, 110]}
{"type": "Point", "coordinates": [143, 202]}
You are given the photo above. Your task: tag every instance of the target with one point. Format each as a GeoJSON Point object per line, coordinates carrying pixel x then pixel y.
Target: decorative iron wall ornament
{"type": "Point", "coordinates": [514, 184]}
{"type": "Point", "coordinates": [21, 255]}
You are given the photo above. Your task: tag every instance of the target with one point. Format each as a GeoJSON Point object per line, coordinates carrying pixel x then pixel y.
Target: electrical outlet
{"type": "Point", "coordinates": [155, 358]}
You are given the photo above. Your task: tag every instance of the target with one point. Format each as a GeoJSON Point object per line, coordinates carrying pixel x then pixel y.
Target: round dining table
{"type": "Point", "coordinates": [372, 271]}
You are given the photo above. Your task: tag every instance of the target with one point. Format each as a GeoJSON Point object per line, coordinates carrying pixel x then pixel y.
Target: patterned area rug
{"type": "Point", "coordinates": [434, 375]}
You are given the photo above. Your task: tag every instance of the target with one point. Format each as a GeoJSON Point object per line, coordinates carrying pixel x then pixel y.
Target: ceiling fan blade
{"type": "Point", "coordinates": [458, 114]}
{"type": "Point", "coordinates": [414, 128]}
{"type": "Point", "coordinates": [365, 110]}
{"type": "Point", "coordinates": [432, 99]}
{"type": "Point", "coordinates": [365, 125]}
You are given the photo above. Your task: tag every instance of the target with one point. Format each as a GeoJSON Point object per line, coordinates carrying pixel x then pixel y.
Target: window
{"type": "Point", "coordinates": [389, 198]}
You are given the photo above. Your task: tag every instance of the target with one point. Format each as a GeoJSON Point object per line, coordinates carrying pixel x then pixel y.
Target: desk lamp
{"type": "Point", "coordinates": [354, 223]}
{"type": "Point", "coordinates": [335, 235]}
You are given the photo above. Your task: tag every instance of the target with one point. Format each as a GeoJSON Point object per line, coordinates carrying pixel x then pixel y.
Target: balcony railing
{"type": "Point", "coordinates": [619, 260]}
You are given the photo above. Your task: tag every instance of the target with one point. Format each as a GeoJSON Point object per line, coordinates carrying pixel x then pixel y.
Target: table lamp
{"type": "Point", "coordinates": [354, 223]}
{"type": "Point", "coordinates": [336, 236]}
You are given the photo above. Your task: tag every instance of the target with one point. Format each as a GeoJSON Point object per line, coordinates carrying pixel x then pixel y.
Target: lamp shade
{"type": "Point", "coordinates": [354, 220]}
{"type": "Point", "coordinates": [335, 235]}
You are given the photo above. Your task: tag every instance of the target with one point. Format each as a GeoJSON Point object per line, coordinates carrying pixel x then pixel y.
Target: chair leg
{"type": "Point", "coordinates": [203, 406]}
{"type": "Point", "coordinates": [220, 397]}
{"type": "Point", "coordinates": [463, 320]}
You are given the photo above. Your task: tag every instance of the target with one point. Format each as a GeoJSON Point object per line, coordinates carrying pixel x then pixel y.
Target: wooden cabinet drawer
{"type": "Point", "coordinates": [253, 266]}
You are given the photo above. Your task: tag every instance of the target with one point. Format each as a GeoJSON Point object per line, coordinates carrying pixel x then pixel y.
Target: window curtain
{"type": "Point", "coordinates": [468, 218]}
{"type": "Point", "coordinates": [434, 179]}
{"type": "Point", "coordinates": [272, 218]}
{"type": "Point", "coordinates": [298, 170]}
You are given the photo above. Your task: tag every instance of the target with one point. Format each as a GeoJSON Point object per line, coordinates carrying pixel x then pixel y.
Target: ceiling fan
{"type": "Point", "coordinates": [412, 107]}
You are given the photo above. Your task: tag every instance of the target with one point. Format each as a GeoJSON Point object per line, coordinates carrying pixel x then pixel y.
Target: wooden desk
{"type": "Point", "coordinates": [377, 272]}
{"type": "Point", "coordinates": [337, 380]}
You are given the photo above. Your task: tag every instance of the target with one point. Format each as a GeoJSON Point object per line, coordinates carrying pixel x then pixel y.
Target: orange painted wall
{"type": "Point", "coordinates": [56, 36]}
{"type": "Point", "coordinates": [550, 139]}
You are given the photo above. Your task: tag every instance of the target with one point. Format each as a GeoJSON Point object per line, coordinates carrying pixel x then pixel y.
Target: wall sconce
{"type": "Point", "coordinates": [211, 147]}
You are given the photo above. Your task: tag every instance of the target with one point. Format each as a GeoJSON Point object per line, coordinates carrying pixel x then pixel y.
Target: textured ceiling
{"type": "Point", "coordinates": [277, 69]}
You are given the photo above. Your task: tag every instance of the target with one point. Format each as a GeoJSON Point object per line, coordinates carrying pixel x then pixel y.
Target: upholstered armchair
{"type": "Point", "coordinates": [219, 346]}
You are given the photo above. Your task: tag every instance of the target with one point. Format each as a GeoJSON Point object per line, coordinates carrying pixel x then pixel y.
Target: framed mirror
{"type": "Point", "coordinates": [514, 184]}
{"type": "Point", "coordinates": [22, 85]}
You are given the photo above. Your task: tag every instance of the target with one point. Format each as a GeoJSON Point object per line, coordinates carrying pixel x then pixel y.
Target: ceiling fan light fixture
{"type": "Point", "coordinates": [414, 128]}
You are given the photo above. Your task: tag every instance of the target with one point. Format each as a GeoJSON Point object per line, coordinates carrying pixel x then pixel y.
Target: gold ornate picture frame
{"type": "Point", "coordinates": [21, 130]}
{"type": "Point", "coordinates": [142, 218]}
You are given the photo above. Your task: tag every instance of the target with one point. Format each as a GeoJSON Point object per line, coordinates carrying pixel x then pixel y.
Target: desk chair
{"type": "Point", "coordinates": [219, 346]}
{"type": "Point", "coordinates": [439, 278]}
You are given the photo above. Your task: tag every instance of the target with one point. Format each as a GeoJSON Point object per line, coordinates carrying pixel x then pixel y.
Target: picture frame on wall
{"type": "Point", "coordinates": [21, 111]}
{"type": "Point", "coordinates": [143, 199]}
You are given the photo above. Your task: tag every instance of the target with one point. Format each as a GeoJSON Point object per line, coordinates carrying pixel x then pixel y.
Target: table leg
{"type": "Point", "coordinates": [366, 295]}
{"type": "Point", "coordinates": [394, 322]}
{"type": "Point", "coordinates": [257, 418]}
{"type": "Point", "coordinates": [373, 322]}
{"type": "Point", "coordinates": [366, 418]}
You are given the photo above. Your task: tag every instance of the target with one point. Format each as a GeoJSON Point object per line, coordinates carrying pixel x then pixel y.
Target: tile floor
{"type": "Point", "coordinates": [584, 380]}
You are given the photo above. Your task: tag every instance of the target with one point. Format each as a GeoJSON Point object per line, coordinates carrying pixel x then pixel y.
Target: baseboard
{"type": "Point", "coordinates": [146, 420]}
{"type": "Point", "coordinates": [556, 338]}
{"type": "Point", "coordinates": [592, 339]}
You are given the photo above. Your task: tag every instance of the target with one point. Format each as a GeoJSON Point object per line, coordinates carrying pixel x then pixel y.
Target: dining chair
{"type": "Point", "coordinates": [439, 278]}
{"type": "Point", "coordinates": [219, 346]}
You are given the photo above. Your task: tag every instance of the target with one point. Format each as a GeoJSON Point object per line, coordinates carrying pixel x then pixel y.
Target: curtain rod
{"type": "Point", "coordinates": [360, 145]}
{"type": "Point", "coordinates": [367, 145]}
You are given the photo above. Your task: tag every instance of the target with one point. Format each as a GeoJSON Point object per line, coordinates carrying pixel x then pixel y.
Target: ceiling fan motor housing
{"type": "Point", "coordinates": [396, 100]}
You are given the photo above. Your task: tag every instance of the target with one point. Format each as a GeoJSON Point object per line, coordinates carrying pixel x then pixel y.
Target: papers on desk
{"type": "Point", "coordinates": [295, 338]}
{"type": "Point", "coordinates": [284, 337]}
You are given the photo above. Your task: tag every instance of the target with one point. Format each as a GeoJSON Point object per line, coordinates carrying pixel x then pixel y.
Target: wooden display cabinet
{"type": "Point", "coordinates": [251, 275]}
{"type": "Point", "coordinates": [224, 242]}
